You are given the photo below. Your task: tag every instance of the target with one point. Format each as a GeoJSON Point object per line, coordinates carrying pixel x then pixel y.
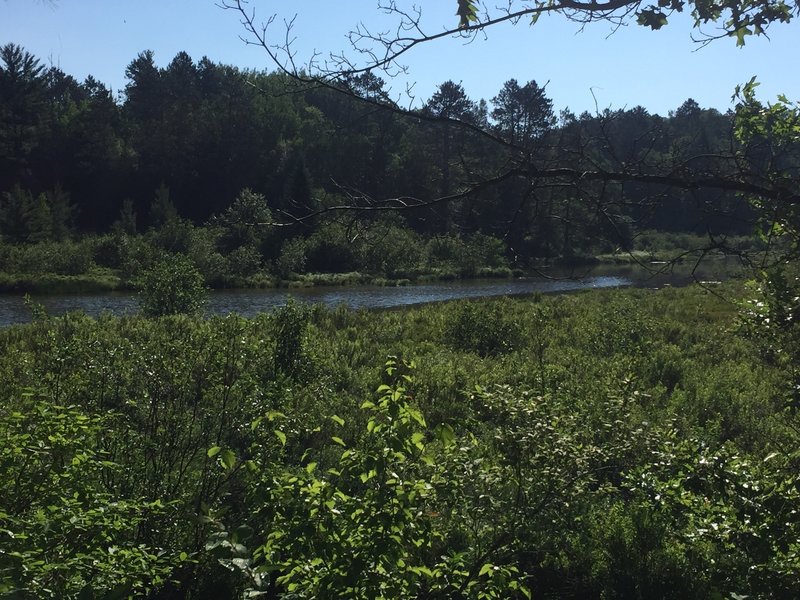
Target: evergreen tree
{"type": "Point", "coordinates": [522, 114]}
{"type": "Point", "coordinates": [22, 112]}
{"type": "Point", "coordinates": [61, 213]}
{"type": "Point", "coordinates": [25, 218]}
{"type": "Point", "coordinates": [126, 223]}
{"type": "Point", "coordinates": [449, 102]}
{"type": "Point", "coordinates": [162, 210]}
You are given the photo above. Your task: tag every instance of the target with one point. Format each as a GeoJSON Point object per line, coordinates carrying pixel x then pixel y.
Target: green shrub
{"type": "Point", "coordinates": [175, 235]}
{"type": "Point", "coordinates": [63, 535]}
{"type": "Point", "coordinates": [59, 258]}
{"type": "Point", "coordinates": [481, 327]}
{"type": "Point", "coordinates": [466, 255]}
{"type": "Point", "coordinates": [171, 287]}
{"type": "Point", "coordinates": [331, 250]}
{"type": "Point", "coordinates": [245, 261]}
{"type": "Point", "coordinates": [137, 255]}
{"type": "Point", "coordinates": [291, 322]}
{"type": "Point", "coordinates": [204, 255]}
{"type": "Point", "coordinates": [107, 250]}
{"type": "Point", "coordinates": [391, 250]}
{"type": "Point", "coordinates": [292, 258]}
{"type": "Point", "coordinates": [375, 525]}
{"type": "Point", "coordinates": [246, 222]}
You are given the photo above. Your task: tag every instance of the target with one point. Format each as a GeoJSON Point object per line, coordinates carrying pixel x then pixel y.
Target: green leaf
{"type": "Point", "coordinates": [213, 451]}
{"type": "Point", "coordinates": [467, 12]}
{"type": "Point", "coordinates": [486, 568]}
{"type": "Point", "coordinates": [281, 436]}
{"type": "Point", "coordinates": [337, 419]}
{"type": "Point", "coordinates": [740, 34]}
{"type": "Point", "coordinates": [446, 435]}
{"type": "Point", "coordinates": [417, 416]}
{"type": "Point", "coordinates": [227, 458]}
{"type": "Point", "coordinates": [654, 19]}
{"type": "Point", "coordinates": [422, 571]}
{"type": "Point", "coordinates": [339, 441]}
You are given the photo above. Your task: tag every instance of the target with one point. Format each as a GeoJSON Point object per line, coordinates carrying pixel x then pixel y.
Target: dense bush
{"type": "Point", "coordinates": [292, 258]}
{"type": "Point", "coordinates": [481, 327]}
{"type": "Point", "coordinates": [628, 443]}
{"type": "Point", "coordinates": [466, 256]}
{"type": "Point", "coordinates": [64, 533]}
{"type": "Point", "coordinates": [291, 324]}
{"type": "Point", "coordinates": [245, 223]}
{"type": "Point", "coordinates": [172, 286]}
{"type": "Point", "coordinates": [59, 258]}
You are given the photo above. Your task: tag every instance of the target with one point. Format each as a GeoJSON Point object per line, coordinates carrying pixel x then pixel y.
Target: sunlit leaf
{"type": "Point", "coordinates": [227, 458]}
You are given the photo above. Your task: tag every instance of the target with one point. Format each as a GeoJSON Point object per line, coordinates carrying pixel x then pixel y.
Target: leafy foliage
{"type": "Point", "coordinates": [291, 323]}
{"type": "Point", "coordinates": [64, 534]}
{"type": "Point", "coordinates": [481, 328]}
{"type": "Point", "coordinates": [370, 527]}
{"type": "Point", "coordinates": [467, 13]}
{"type": "Point", "coordinates": [740, 514]}
{"type": "Point", "coordinates": [172, 286]}
{"type": "Point", "coordinates": [736, 18]}
{"type": "Point", "coordinates": [628, 442]}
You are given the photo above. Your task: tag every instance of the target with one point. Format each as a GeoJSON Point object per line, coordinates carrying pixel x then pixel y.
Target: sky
{"type": "Point", "coordinates": [595, 68]}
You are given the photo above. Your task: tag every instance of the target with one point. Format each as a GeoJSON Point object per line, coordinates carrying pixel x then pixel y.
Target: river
{"type": "Point", "coordinates": [253, 301]}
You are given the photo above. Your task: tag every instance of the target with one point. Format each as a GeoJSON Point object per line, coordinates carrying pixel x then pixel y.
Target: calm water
{"type": "Point", "coordinates": [252, 302]}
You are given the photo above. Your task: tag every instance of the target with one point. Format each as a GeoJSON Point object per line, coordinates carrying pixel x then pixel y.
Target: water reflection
{"type": "Point", "coordinates": [252, 302]}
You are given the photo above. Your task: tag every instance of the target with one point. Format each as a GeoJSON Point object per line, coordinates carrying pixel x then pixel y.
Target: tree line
{"type": "Point", "coordinates": [184, 140]}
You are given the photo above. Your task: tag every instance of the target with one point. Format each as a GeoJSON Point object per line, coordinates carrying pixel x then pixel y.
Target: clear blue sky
{"type": "Point", "coordinates": [632, 66]}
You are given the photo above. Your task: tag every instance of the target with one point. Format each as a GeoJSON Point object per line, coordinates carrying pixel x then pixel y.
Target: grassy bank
{"type": "Point", "coordinates": [110, 281]}
{"type": "Point", "coordinates": [389, 255]}
{"type": "Point", "coordinates": [51, 283]}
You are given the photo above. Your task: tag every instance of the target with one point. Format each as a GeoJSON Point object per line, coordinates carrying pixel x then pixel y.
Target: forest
{"type": "Point", "coordinates": [627, 443]}
{"type": "Point", "coordinates": [231, 170]}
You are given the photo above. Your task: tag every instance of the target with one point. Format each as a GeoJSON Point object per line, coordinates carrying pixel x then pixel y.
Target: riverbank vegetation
{"type": "Point", "coordinates": [602, 444]}
{"type": "Point", "coordinates": [383, 254]}
{"type": "Point", "coordinates": [237, 254]}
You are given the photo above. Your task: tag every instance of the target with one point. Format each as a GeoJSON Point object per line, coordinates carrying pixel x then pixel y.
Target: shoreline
{"type": "Point", "coordinates": [47, 284]}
